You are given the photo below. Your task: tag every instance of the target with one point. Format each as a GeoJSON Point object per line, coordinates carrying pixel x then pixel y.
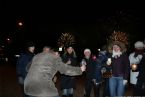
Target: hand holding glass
{"type": "Point", "coordinates": [83, 68]}
{"type": "Point", "coordinates": [109, 61]}
{"type": "Point", "coordinates": [83, 62]}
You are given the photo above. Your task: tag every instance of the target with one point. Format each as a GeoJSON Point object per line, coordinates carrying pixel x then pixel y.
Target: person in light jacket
{"type": "Point", "coordinates": [135, 59]}
{"type": "Point", "coordinates": [44, 66]}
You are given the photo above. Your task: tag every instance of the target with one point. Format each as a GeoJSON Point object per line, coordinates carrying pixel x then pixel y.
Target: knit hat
{"type": "Point", "coordinates": [66, 47]}
{"type": "Point", "coordinates": [139, 44]}
{"type": "Point", "coordinates": [87, 50]}
{"type": "Point", "coordinates": [30, 44]}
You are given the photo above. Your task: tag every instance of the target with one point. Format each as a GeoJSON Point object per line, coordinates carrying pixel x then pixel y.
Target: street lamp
{"type": "Point", "coordinates": [8, 39]}
{"type": "Point", "coordinates": [20, 23]}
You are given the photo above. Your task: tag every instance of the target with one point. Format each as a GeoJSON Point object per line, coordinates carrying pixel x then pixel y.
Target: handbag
{"type": "Point", "coordinates": [107, 74]}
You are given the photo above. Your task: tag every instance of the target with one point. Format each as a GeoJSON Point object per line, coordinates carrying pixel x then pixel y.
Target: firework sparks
{"type": "Point", "coordinates": [119, 36]}
{"type": "Point", "coordinates": [66, 39]}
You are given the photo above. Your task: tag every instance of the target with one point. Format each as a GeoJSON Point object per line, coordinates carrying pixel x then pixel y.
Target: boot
{"type": "Point", "coordinates": [64, 95]}
{"type": "Point", "coordinates": [70, 95]}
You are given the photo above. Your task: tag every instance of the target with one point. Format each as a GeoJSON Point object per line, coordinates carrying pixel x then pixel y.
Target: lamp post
{"type": "Point", "coordinates": [20, 24]}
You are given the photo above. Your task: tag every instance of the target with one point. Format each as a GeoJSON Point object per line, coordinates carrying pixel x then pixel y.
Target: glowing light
{"type": "Point", "coordinates": [8, 39]}
{"type": "Point", "coordinates": [20, 23]}
{"type": "Point", "coordinates": [134, 66]}
{"type": "Point", "coordinates": [60, 49]}
{"type": "Point", "coordinates": [98, 49]}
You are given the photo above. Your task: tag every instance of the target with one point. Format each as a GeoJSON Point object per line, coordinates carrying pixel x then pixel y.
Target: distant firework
{"type": "Point", "coordinates": [119, 36]}
{"type": "Point", "coordinates": [66, 39]}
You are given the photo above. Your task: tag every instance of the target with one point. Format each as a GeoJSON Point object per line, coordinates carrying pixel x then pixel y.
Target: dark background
{"type": "Point", "coordinates": [90, 23]}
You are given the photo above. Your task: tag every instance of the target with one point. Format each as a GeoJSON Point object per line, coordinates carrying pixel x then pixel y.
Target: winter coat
{"type": "Point", "coordinates": [24, 59]}
{"type": "Point", "coordinates": [141, 76]}
{"type": "Point", "coordinates": [134, 60]}
{"type": "Point", "coordinates": [100, 63]}
{"type": "Point", "coordinates": [44, 66]}
{"type": "Point", "coordinates": [68, 82]}
{"type": "Point", "coordinates": [106, 69]}
{"type": "Point", "coordinates": [90, 68]}
{"type": "Point", "coordinates": [120, 66]}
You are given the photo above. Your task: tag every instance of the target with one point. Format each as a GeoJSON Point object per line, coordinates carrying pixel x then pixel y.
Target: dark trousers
{"type": "Point", "coordinates": [97, 90]}
{"type": "Point", "coordinates": [137, 91]}
{"type": "Point", "coordinates": [88, 87]}
{"type": "Point", "coordinates": [106, 92]}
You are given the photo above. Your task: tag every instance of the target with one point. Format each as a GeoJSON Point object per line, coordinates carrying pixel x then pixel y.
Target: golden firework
{"type": "Point", "coordinates": [120, 37]}
{"type": "Point", "coordinates": [66, 39]}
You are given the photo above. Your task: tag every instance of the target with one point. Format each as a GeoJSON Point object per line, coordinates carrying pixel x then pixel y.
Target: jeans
{"type": "Point", "coordinates": [67, 91]}
{"type": "Point", "coordinates": [116, 86]}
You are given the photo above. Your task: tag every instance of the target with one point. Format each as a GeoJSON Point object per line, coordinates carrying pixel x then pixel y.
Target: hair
{"type": "Point", "coordinates": [47, 47]}
{"type": "Point", "coordinates": [30, 44]}
{"type": "Point", "coordinates": [73, 52]}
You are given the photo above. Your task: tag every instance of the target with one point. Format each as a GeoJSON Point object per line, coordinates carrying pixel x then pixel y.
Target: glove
{"type": "Point", "coordinates": [124, 82]}
{"type": "Point", "coordinates": [21, 80]}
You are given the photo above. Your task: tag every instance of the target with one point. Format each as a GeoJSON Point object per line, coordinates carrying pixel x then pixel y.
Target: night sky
{"type": "Point", "coordinates": [90, 24]}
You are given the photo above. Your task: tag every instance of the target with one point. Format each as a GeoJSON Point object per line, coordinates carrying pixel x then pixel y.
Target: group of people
{"type": "Point", "coordinates": [113, 67]}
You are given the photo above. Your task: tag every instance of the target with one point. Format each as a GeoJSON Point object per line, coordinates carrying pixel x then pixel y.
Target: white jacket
{"type": "Point", "coordinates": [134, 60]}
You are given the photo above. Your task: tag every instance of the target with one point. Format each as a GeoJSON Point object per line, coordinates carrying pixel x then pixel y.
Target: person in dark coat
{"type": "Point", "coordinates": [120, 69]}
{"type": "Point", "coordinates": [140, 86]}
{"type": "Point", "coordinates": [90, 64]}
{"type": "Point", "coordinates": [102, 58]}
{"type": "Point", "coordinates": [98, 75]}
{"type": "Point", "coordinates": [23, 61]}
{"type": "Point", "coordinates": [68, 82]}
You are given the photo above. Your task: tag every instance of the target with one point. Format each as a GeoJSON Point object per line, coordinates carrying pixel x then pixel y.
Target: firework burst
{"type": "Point", "coordinates": [120, 37]}
{"type": "Point", "coordinates": [66, 39]}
